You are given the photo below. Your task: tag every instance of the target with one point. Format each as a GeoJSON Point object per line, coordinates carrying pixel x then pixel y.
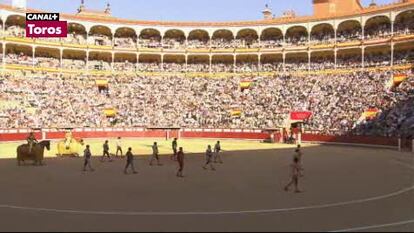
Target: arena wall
{"type": "Point", "coordinates": [243, 134]}
{"type": "Point", "coordinates": [351, 139]}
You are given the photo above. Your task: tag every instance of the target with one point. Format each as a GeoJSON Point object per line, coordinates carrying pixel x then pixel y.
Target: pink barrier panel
{"type": "Point", "coordinates": [351, 139]}
{"type": "Point", "coordinates": [235, 135]}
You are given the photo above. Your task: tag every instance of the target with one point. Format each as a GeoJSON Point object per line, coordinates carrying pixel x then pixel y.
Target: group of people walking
{"type": "Point", "coordinates": [177, 155]}
{"type": "Point", "coordinates": [296, 168]}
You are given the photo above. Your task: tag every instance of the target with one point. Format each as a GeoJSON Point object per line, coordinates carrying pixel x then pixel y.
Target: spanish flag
{"type": "Point", "coordinates": [236, 113]}
{"type": "Point", "coordinates": [370, 113]}
{"type": "Point", "coordinates": [102, 83]}
{"type": "Point", "coordinates": [245, 85]}
{"type": "Point", "coordinates": [398, 79]}
{"type": "Point", "coordinates": [110, 112]}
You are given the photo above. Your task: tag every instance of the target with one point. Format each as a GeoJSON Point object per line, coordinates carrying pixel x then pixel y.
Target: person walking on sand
{"type": "Point", "coordinates": [299, 155]}
{"type": "Point", "coordinates": [155, 154]}
{"type": "Point", "coordinates": [217, 150]}
{"type": "Point", "coordinates": [87, 155]}
{"type": "Point", "coordinates": [130, 161]}
{"type": "Point", "coordinates": [105, 147]}
{"type": "Point", "coordinates": [209, 159]}
{"type": "Point", "coordinates": [295, 171]}
{"type": "Point", "coordinates": [174, 148]}
{"type": "Point", "coordinates": [180, 160]}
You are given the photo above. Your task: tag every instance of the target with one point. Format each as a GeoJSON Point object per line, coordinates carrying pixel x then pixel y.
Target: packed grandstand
{"type": "Point", "coordinates": [352, 71]}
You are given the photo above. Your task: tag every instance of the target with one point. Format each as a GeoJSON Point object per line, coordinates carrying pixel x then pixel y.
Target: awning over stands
{"type": "Point", "coordinates": [300, 116]}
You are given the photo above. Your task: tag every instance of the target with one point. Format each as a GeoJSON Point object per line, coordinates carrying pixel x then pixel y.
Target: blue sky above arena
{"type": "Point", "coordinates": [185, 10]}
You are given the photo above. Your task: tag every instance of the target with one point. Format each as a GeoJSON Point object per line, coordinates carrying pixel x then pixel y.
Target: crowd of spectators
{"type": "Point", "coordinates": [396, 117]}
{"type": "Point", "coordinates": [337, 101]}
{"type": "Point", "coordinates": [124, 42]}
{"type": "Point", "coordinates": [322, 38]}
{"type": "Point", "coordinates": [247, 68]}
{"type": "Point", "coordinates": [198, 44]}
{"type": "Point", "coordinates": [124, 66]}
{"type": "Point", "coordinates": [379, 32]}
{"type": "Point", "coordinates": [403, 57]}
{"type": "Point", "coordinates": [99, 65]}
{"type": "Point", "coordinates": [346, 36]}
{"type": "Point", "coordinates": [174, 67]}
{"type": "Point", "coordinates": [297, 41]}
{"type": "Point", "coordinates": [198, 67]}
{"type": "Point", "coordinates": [272, 67]}
{"type": "Point", "coordinates": [148, 67]}
{"type": "Point", "coordinates": [73, 64]}
{"type": "Point", "coordinates": [377, 60]}
{"type": "Point", "coordinates": [169, 43]}
{"type": "Point", "coordinates": [47, 62]}
{"type": "Point", "coordinates": [150, 43]}
{"type": "Point", "coordinates": [222, 67]}
{"type": "Point", "coordinates": [99, 40]}
{"type": "Point", "coordinates": [297, 66]}
{"type": "Point", "coordinates": [19, 58]}
{"type": "Point", "coordinates": [15, 31]}
{"type": "Point", "coordinates": [269, 44]}
{"type": "Point", "coordinates": [344, 61]}
{"type": "Point", "coordinates": [404, 28]}
{"type": "Point", "coordinates": [322, 64]}
{"type": "Point", "coordinates": [74, 38]}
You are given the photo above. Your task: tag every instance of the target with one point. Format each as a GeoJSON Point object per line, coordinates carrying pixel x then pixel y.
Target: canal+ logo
{"type": "Point", "coordinates": [43, 25]}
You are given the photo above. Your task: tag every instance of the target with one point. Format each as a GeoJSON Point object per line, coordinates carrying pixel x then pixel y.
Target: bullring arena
{"type": "Point", "coordinates": [339, 83]}
{"type": "Point", "coordinates": [346, 188]}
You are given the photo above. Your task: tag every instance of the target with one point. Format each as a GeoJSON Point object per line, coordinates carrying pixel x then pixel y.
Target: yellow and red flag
{"type": "Point", "coordinates": [370, 113]}
{"type": "Point", "coordinates": [398, 79]}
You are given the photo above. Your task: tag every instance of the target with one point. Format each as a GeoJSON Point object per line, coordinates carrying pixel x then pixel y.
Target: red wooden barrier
{"type": "Point", "coordinates": [370, 140]}
{"type": "Point", "coordinates": [20, 135]}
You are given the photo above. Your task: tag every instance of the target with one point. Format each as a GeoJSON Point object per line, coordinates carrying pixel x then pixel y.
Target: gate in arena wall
{"type": "Point", "coordinates": [407, 143]}
{"type": "Point", "coordinates": [169, 132]}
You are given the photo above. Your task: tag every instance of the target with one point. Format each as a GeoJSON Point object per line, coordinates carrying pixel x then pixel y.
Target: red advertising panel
{"type": "Point", "coordinates": [300, 116]}
{"type": "Point", "coordinates": [42, 29]}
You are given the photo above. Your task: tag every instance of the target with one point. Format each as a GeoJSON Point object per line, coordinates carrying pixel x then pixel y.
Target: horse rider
{"type": "Point", "coordinates": [31, 141]}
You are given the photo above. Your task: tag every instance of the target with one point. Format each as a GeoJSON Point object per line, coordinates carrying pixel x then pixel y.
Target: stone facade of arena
{"type": "Point", "coordinates": [253, 34]}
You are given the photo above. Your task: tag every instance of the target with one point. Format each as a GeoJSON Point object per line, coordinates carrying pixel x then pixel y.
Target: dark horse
{"type": "Point", "coordinates": [36, 155]}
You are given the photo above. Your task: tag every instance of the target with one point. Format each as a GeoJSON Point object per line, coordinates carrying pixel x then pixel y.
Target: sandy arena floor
{"type": "Point", "coordinates": [345, 188]}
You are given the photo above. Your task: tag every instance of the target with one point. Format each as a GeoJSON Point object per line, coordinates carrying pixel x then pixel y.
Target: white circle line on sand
{"type": "Point", "coordinates": [377, 226]}
{"type": "Point", "coordinates": [119, 213]}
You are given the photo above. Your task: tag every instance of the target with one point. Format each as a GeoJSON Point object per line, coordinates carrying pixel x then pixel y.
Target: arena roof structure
{"type": "Point", "coordinates": [321, 12]}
